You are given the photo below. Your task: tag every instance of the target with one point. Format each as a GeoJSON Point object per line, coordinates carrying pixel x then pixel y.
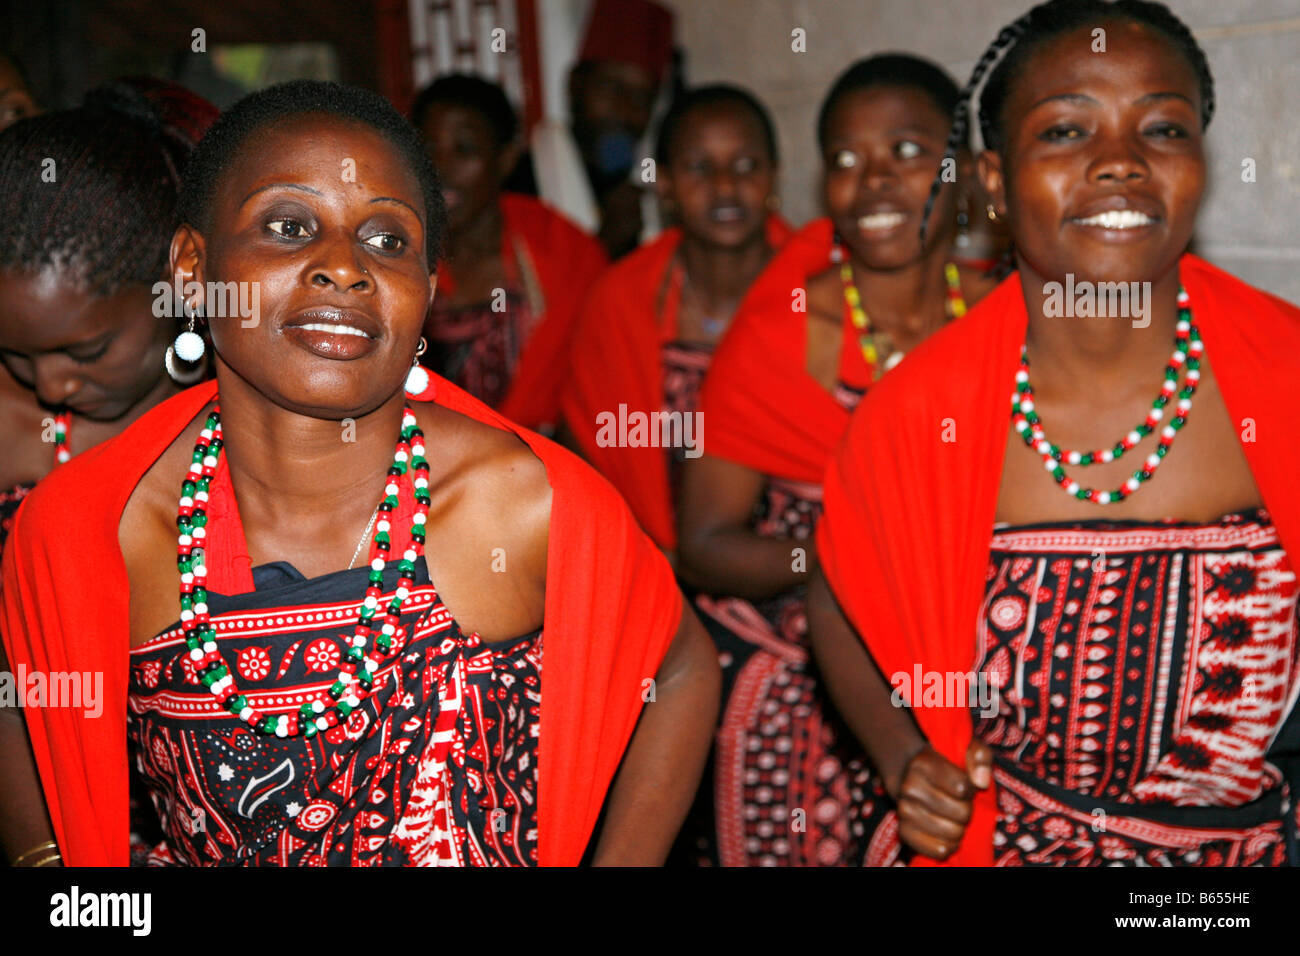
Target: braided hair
{"type": "Point", "coordinates": [109, 213]}
{"type": "Point", "coordinates": [1046, 21]}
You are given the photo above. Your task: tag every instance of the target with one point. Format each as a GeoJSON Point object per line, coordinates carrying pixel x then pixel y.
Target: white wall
{"type": "Point", "coordinates": [1251, 229]}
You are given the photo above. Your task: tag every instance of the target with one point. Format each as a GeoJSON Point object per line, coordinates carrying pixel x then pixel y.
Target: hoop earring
{"type": "Point", "coordinates": [189, 348]}
{"type": "Point", "coordinates": [417, 379]}
{"type": "Point", "coordinates": [993, 213]}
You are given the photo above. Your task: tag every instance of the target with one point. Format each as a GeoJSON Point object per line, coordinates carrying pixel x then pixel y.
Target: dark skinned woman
{"type": "Point", "coordinates": [319, 700]}
{"type": "Point", "coordinates": [1101, 546]}
{"type": "Point", "coordinates": [84, 345]}
{"type": "Point", "coordinates": [648, 329]}
{"type": "Point", "coordinates": [841, 302]}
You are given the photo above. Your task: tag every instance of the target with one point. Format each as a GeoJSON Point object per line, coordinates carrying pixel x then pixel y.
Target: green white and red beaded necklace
{"type": "Point", "coordinates": [1188, 349]}
{"type": "Point", "coordinates": [62, 423]}
{"type": "Point", "coordinates": [356, 671]}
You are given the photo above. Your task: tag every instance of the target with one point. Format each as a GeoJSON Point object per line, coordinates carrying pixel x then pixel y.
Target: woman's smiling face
{"type": "Point", "coordinates": [324, 215]}
{"type": "Point", "coordinates": [883, 149]}
{"type": "Point", "coordinates": [1103, 164]}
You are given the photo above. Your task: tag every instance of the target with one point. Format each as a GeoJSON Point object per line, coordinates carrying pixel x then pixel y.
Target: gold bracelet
{"type": "Point", "coordinates": [47, 845]}
{"type": "Point", "coordinates": [53, 858]}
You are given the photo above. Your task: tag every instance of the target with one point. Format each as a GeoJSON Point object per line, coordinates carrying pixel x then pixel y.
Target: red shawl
{"type": "Point", "coordinates": [904, 541]}
{"type": "Point", "coordinates": [612, 609]}
{"type": "Point", "coordinates": [616, 358]}
{"type": "Point", "coordinates": [761, 407]}
{"type": "Point", "coordinates": [566, 261]}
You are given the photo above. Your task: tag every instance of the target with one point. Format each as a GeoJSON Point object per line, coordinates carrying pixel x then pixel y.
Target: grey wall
{"type": "Point", "coordinates": [1251, 229]}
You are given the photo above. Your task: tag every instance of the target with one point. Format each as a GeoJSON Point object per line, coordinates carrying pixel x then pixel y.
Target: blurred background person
{"type": "Point", "coordinates": [515, 271]}
{"type": "Point", "coordinates": [648, 330]}
{"type": "Point", "coordinates": [589, 168]}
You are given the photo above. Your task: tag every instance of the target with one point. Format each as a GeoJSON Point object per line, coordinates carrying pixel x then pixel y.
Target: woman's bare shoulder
{"type": "Point", "coordinates": [488, 473]}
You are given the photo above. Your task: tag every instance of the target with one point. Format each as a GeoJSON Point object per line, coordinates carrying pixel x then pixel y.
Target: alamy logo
{"type": "Point", "coordinates": [959, 689]}
{"type": "Point", "coordinates": [651, 430]}
{"type": "Point", "coordinates": [1102, 300]}
{"type": "Point", "coordinates": [76, 908]}
{"type": "Point", "coordinates": [74, 689]}
{"type": "Point", "coordinates": [220, 300]}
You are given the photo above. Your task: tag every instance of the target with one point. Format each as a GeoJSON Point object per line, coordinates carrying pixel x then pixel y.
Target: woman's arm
{"type": "Point", "coordinates": [933, 795]}
{"type": "Point", "coordinates": [860, 692]}
{"type": "Point", "coordinates": [24, 820]}
{"type": "Point", "coordinates": [665, 759]}
{"type": "Point", "coordinates": [716, 549]}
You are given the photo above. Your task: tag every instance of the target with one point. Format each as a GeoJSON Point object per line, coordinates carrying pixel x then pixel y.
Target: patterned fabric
{"type": "Point", "coordinates": [478, 347]}
{"type": "Point", "coordinates": [1145, 673]}
{"type": "Point", "coordinates": [684, 366]}
{"type": "Point", "coordinates": [9, 502]}
{"type": "Point", "coordinates": [438, 766]}
{"type": "Point", "coordinates": [791, 785]}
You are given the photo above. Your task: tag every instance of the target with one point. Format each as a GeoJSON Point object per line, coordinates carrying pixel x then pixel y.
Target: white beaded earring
{"type": "Point", "coordinates": [189, 347]}
{"type": "Point", "coordinates": [417, 379]}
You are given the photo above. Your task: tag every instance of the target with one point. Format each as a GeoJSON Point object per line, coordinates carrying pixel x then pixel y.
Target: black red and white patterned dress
{"type": "Point", "coordinates": [684, 364]}
{"type": "Point", "coordinates": [1147, 677]}
{"type": "Point", "coordinates": [478, 346]}
{"type": "Point", "coordinates": [438, 766]}
{"type": "Point", "coordinates": [791, 784]}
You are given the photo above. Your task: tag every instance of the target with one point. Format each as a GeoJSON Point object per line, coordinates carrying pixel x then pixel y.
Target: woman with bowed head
{"type": "Point", "coordinates": [88, 206]}
{"type": "Point", "coordinates": [322, 583]}
{"type": "Point", "coordinates": [1086, 509]}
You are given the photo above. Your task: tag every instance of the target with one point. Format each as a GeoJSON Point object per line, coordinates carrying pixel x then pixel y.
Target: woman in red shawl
{"type": "Point", "coordinates": [1117, 595]}
{"type": "Point", "coordinates": [790, 786]}
{"type": "Point", "coordinates": [297, 691]}
{"type": "Point", "coordinates": [515, 270]}
{"type": "Point", "coordinates": [649, 327]}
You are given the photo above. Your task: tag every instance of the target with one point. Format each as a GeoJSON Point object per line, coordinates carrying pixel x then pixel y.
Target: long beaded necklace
{"type": "Point", "coordinates": [1188, 349]}
{"type": "Point", "coordinates": [956, 307]}
{"type": "Point", "coordinates": [62, 423]}
{"type": "Point", "coordinates": [356, 671]}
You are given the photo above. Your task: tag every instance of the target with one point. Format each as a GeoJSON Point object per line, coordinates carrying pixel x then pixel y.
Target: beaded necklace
{"type": "Point", "coordinates": [1188, 349]}
{"type": "Point", "coordinates": [356, 671]}
{"type": "Point", "coordinates": [62, 423]}
{"type": "Point", "coordinates": [956, 308]}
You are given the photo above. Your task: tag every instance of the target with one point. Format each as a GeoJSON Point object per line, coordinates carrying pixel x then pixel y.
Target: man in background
{"type": "Point", "coordinates": [587, 170]}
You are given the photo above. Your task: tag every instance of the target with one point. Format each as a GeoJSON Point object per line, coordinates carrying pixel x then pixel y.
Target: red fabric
{"type": "Point", "coordinates": [617, 358]}
{"type": "Point", "coordinates": [566, 261]}
{"type": "Point", "coordinates": [630, 31]}
{"type": "Point", "coordinates": [761, 407]}
{"type": "Point", "coordinates": [904, 540]}
{"type": "Point", "coordinates": [612, 609]}
{"type": "Point", "coordinates": [185, 114]}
